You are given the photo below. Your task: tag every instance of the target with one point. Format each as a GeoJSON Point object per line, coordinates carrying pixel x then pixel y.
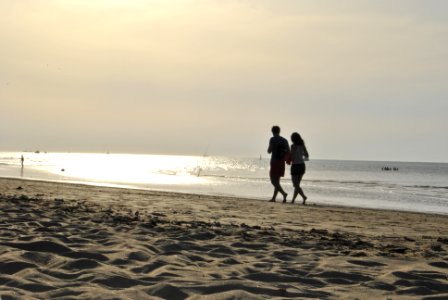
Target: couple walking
{"type": "Point", "coordinates": [281, 154]}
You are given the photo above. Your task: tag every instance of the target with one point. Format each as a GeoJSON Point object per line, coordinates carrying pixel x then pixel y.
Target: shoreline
{"type": "Point", "coordinates": [77, 240]}
{"type": "Point", "coordinates": [161, 191]}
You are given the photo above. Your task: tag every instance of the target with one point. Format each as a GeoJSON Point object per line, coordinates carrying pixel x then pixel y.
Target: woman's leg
{"type": "Point", "coordinates": [296, 179]}
{"type": "Point", "coordinates": [295, 183]}
{"type": "Point", "coordinates": [299, 189]}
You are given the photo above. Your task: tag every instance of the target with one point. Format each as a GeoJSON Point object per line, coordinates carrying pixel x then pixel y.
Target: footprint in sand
{"type": "Point", "coordinates": [419, 283]}
{"type": "Point", "coordinates": [12, 267]}
{"type": "Point", "coordinates": [440, 264]}
{"type": "Point", "coordinates": [366, 263]}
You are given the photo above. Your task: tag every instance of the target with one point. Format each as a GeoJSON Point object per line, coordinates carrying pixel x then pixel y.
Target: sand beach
{"type": "Point", "coordinates": [72, 241]}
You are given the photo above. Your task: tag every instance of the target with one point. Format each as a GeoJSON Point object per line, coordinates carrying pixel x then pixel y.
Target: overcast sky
{"type": "Point", "coordinates": [358, 79]}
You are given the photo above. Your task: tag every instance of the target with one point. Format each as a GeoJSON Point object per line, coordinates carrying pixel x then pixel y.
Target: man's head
{"type": "Point", "coordinates": [275, 130]}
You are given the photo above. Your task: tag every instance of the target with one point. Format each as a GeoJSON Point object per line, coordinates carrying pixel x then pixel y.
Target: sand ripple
{"type": "Point", "coordinates": [73, 249]}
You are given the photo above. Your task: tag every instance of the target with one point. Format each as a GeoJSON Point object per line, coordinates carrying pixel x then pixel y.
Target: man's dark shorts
{"type": "Point", "coordinates": [277, 168]}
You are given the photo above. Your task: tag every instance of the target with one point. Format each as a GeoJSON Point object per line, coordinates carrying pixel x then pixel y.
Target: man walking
{"type": "Point", "coordinates": [278, 148]}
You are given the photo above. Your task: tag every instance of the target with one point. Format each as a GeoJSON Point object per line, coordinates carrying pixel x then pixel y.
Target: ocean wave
{"type": "Point", "coordinates": [427, 187]}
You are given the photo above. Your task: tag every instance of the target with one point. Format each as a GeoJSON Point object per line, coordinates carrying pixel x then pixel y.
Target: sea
{"type": "Point", "coordinates": [399, 186]}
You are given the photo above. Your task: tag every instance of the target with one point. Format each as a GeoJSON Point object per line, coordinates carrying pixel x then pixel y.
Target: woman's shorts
{"type": "Point", "coordinates": [298, 169]}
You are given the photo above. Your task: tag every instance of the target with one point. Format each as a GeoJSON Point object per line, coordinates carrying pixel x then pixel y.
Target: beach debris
{"type": "Point", "coordinates": [122, 219]}
{"type": "Point", "coordinates": [19, 188]}
{"type": "Point", "coordinates": [401, 250]}
{"type": "Point", "coordinates": [440, 264]}
{"type": "Point", "coordinates": [319, 231]}
{"type": "Point", "coordinates": [360, 244]}
{"type": "Point", "coordinates": [158, 214]}
{"type": "Point", "coordinates": [443, 240]}
{"type": "Point", "coordinates": [359, 254]}
{"type": "Point", "coordinates": [436, 247]}
{"type": "Point", "coordinates": [151, 223]}
{"type": "Point", "coordinates": [393, 249]}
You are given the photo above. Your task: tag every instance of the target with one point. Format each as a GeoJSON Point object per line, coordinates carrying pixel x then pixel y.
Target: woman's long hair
{"type": "Point", "coordinates": [297, 139]}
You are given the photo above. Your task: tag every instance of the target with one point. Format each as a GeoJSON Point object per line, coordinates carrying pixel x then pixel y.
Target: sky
{"type": "Point", "coordinates": [358, 79]}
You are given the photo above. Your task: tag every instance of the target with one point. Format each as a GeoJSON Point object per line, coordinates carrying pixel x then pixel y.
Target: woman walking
{"type": "Point", "coordinates": [299, 154]}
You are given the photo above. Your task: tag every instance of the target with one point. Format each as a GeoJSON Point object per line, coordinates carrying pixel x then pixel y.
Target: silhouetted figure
{"type": "Point", "coordinates": [278, 148]}
{"type": "Point", "coordinates": [299, 154]}
{"type": "Point", "coordinates": [387, 168]}
{"type": "Point", "coordinates": [22, 160]}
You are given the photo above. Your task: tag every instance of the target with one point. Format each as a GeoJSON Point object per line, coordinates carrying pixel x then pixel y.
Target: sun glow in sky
{"type": "Point", "coordinates": [359, 79]}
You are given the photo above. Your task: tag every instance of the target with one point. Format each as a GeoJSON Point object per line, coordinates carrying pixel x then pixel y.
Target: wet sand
{"type": "Point", "coordinates": [71, 241]}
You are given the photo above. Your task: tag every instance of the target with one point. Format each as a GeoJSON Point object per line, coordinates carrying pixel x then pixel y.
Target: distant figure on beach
{"type": "Point", "coordinates": [387, 168]}
{"type": "Point", "coordinates": [299, 154]}
{"type": "Point", "coordinates": [22, 160]}
{"type": "Point", "coordinates": [278, 148]}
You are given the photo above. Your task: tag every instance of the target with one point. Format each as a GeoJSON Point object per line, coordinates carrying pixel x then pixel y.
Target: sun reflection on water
{"type": "Point", "coordinates": [154, 169]}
